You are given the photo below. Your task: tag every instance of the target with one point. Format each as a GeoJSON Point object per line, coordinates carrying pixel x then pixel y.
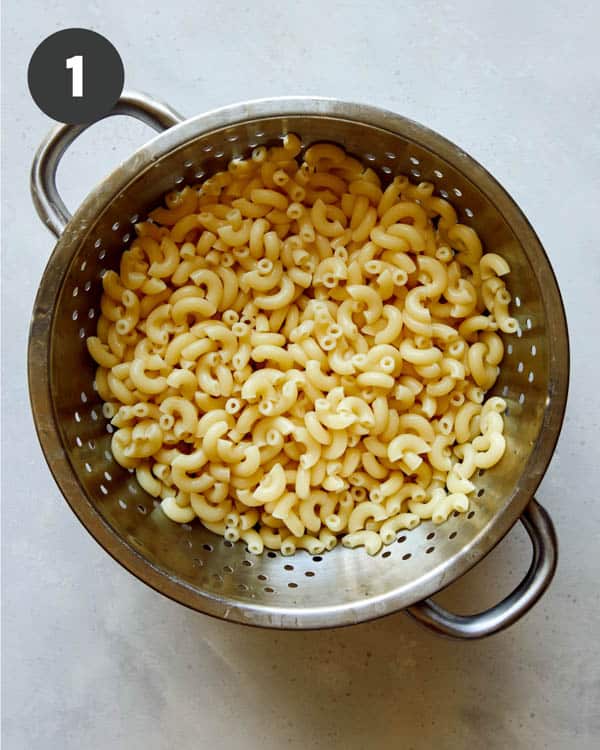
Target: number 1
{"type": "Point", "coordinates": [76, 65]}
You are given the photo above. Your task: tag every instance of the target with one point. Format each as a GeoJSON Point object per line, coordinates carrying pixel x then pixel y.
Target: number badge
{"type": "Point", "coordinates": [76, 76]}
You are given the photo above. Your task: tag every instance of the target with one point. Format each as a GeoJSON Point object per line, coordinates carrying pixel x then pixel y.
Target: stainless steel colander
{"type": "Point", "coordinates": [189, 563]}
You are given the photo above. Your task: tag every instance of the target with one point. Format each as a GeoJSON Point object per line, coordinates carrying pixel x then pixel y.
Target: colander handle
{"type": "Point", "coordinates": [539, 526]}
{"type": "Point", "coordinates": [48, 203]}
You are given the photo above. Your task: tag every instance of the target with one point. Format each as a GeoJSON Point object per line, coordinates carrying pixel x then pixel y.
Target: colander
{"type": "Point", "coordinates": [188, 563]}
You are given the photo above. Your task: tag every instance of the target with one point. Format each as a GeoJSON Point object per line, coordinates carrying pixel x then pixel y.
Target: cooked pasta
{"type": "Point", "coordinates": [292, 352]}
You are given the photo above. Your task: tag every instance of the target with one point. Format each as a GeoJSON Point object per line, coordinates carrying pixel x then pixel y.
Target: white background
{"type": "Point", "coordinates": [93, 659]}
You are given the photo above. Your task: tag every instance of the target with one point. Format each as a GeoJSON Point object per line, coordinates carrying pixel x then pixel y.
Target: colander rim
{"type": "Point", "coordinates": [40, 340]}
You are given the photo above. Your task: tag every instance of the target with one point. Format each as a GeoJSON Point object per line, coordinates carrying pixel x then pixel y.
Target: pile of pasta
{"type": "Point", "coordinates": [293, 353]}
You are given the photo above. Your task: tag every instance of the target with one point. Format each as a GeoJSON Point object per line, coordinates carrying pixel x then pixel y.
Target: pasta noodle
{"type": "Point", "coordinates": [292, 352]}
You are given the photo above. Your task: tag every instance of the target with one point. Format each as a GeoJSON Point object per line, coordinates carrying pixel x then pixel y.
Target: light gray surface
{"type": "Point", "coordinates": [94, 659]}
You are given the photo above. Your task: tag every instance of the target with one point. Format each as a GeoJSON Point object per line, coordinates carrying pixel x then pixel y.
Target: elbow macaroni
{"type": "Point", "coordinates": [292, 352]}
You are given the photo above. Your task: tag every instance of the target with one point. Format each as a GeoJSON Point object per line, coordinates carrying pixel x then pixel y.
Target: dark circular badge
{"type": "Point", "coordinates": [75, 76]}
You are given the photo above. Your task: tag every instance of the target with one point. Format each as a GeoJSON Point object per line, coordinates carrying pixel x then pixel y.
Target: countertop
{"type": "Point", "coordinates": [93, 658]}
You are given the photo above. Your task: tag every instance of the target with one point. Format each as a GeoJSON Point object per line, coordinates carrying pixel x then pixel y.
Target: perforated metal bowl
{"type": "Point", "coordinates": [190, 564]}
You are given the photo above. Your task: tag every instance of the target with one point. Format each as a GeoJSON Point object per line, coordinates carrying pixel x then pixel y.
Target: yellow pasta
{"type": "Point", "coordinates": [292, 352]}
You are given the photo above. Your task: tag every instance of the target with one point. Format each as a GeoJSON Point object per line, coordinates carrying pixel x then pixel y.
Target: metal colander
{"type": "Point", "coordinates": [189, 563]}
